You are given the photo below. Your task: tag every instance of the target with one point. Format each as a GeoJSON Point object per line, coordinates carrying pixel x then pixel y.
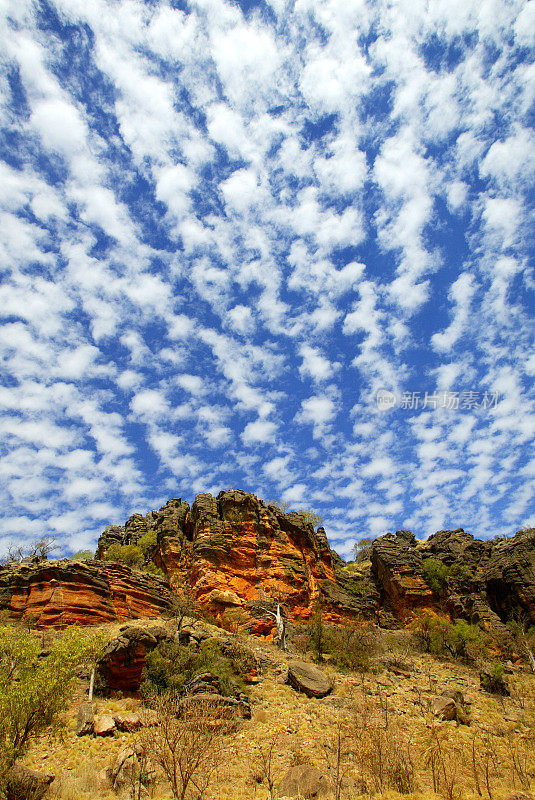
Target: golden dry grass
{"type": "Point", "coordinates": [500, 740]}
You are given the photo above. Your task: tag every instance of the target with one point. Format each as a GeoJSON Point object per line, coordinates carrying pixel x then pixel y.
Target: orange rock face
{"type": "Point", "coordinates": [60, 593]}
{"type": "Point", "coordinates": [235, 550]}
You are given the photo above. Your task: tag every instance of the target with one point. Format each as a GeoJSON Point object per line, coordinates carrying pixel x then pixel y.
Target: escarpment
{"type": "Point", "coordinates": [235, 551]}
{"type": "Point", "coordinates": [235, 555]}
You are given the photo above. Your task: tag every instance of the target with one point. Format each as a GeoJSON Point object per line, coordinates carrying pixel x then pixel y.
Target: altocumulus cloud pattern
{"type": "Point", "coordinates": [278, 246]}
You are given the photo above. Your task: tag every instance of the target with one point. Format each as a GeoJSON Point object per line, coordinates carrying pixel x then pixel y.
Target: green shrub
{"type": "Point", "coordinates": [83, 555]}
{"type": "Point", "coordinates": [353, 646]}
{"type": "Point", "coordinates": [171, 667]}
{"type": "Point", "coordinates": [435, 574]}
{"type": "Point", "coordinates": [34, 690]}
{"type": "Point", "coordinates": [152, 569]}
{"type": "Point", "coordinates": [129, 554]}
{"type": "Point", "coordinates": [147, 542]}
{"type": "Point", "coordinates": [458, 639]}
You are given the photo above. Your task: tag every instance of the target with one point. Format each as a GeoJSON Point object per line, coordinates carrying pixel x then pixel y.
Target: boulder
{"type": "Point", "coordinates": [85, 719]}
{"type": "Point", "coordinates": [104, 725]}
{"type": "Point", "coordinates": [305, 781]}
{"type": "Point", "coordinates": [23, 784]}
{"type": "Point", "coordinates": [125, 767]}
{"type": "Point", "coordinates": [450, 705]}
{"type": "Point", "coordinates": [444, 708]}
{"type": "Point", "coordinates": [310, 680]}
{"type": "Point", "coordinates": [121, 665]}
{"type": "Point", "coordinates": [127, 722]}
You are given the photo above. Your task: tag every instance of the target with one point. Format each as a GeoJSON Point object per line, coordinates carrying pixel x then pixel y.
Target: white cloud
{"type": "Point", "coordinates": [262, 430]}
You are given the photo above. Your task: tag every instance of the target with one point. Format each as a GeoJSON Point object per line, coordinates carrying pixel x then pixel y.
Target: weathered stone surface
{"type": "Point", "coordinates": [104, 725]}
{"type": "Point", "coordinates": [444, 708]}
{"type": "Point", "coordinates": [122, 662]}
{"type": "Point", "coordinates": [304, 780]}
{"type": "Point", "coordinates": [61, 593]}
{"type": "Point", "coordinates": [24, 783]}
{"type": "Point", "coordinates": [85, 719]}
{"type": "Point", "coordinates": [488, 581]}
{"type": "Point", "coordinates": [128, 722]}
{"type": "Point", "coordinates": [398, 567]}
{"type": "Point", "coordinates": [308, 679]}
{"type": "Point", "coordinates": [228, 546]}
{"type": "Point", "coordinates": [126, 766]}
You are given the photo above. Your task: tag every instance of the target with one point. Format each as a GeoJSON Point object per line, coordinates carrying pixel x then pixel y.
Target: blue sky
{"type": "Point", "coordinates": [229, 228]}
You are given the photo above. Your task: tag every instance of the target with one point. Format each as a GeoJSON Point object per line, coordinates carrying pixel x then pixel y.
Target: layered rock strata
{"type": "Point", "coordinates": [55, 594]}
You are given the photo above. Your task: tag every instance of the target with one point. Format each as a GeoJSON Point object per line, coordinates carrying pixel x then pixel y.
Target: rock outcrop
{"type": "Point", "coordinates": [121, 664]}
{"type": "Point", "coordinates": [234, 549]}
{"type": "Point", "coordinates": [310, 680]}
{"type": "Point", "coordinates": [488, 582]}
{"type": "Point", "coordinates": [54, 594]}
{"type": "Point", "coordinates": [234, 555]}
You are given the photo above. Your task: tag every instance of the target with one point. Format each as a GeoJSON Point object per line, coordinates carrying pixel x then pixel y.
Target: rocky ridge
{"type": "Point", "coordinates": [234, 551]}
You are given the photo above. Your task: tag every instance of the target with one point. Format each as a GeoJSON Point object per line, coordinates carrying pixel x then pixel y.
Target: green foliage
{"type": "Point", "coordinates": [352, 646]}
{"type": "Point", "coordinates": [458, 639]}
{"type": "Point", "coordinates": [152, 569]}
{"type": "Point", "coordinates": [33, 690]}
{"type": "Point", "coordinates": [147, 542]}
{"type": "Point", "coordinates": [128, 554]}
{"type": "Point", "coordinates": [361, 545]}
{"type": "Point", "coordinates": [435, 574]}
{"type": "Point", "coordinates": [171, 667]}
{"type": "Point", "coordinates": [83, 555]}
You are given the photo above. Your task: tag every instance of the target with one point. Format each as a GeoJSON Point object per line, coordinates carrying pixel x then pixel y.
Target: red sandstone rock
{"type": "Point", "coordinates": [60, 593]}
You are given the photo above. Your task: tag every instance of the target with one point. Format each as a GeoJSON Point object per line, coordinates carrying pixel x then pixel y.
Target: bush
{"type": "Point", "coordinates": [34, 690]}
{"type": "Point", "coordinates": [83, 555]}
{"type": "Point", "coordinates": [147, 542]}
{"type": "Point", "coordinates": [458, 639]}
{"type": "Point", "coordinates": [435, 574]}
{"type": "Point", "coordinates": [172, 666]}
{"type": "Point", "coordinates": [352, 646]}
{"type": "Point", "coordinates": [129, 554]}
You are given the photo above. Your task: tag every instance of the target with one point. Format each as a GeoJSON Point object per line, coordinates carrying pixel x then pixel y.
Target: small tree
{"type": "Point", "coordinates": [317, 632]}
{"type": "Point", "coordinates": [34, 690]}
{"type": "Point", "coordinates": [523, 636]}
{"type": "Point", "coordinates": [183, 604]}
{"type": "Point", "coordinates": [360, 546]}
{"type": "Point", "coordinates": [129, 554]}
{"type": "Point", "coordinates": [186, 744]}
{"type": "Point", "coordinates": [435, 574]}
{"type": "Point", "coordinates": [44, 547]}
{"type": "Point", "coordinates": [265, 761]}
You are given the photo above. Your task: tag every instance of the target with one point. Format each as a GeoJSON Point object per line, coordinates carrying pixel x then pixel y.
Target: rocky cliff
{"type": "Point", "coordinates": [234, 553]}
{"type": "Point", "coordinates": [60, 593]}
{"type": "Point", "coordinates": [485, 582]}
{"type": "Point", "coordinates": [235, 550]}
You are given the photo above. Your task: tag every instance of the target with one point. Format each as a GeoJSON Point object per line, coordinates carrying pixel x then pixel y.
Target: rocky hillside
{"type": "Point", "coordinates": [234, 550]}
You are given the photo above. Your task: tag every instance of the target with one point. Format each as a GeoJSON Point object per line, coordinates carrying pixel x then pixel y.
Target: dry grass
{"type": "Point", "coordinates": [387, 731]}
